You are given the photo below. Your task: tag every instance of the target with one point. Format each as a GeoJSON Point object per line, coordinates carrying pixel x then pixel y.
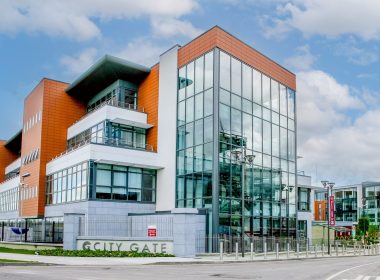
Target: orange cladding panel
{"type": "Point", "coordinates": [59, 111]}
{"type": "Point", "coordinates": [6, 158]}
{"type": "Point", "coordinates": [148, 98]}
{"type": "Point", "coordinates": [218, 38]}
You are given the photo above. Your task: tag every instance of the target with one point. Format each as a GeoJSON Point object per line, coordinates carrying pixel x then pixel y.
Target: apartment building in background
{"type": "Point", "coordinates": [126, 147]}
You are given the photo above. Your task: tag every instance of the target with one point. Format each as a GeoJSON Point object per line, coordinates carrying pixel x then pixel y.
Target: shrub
{"type": "Point", "coordinates": [99, 253]}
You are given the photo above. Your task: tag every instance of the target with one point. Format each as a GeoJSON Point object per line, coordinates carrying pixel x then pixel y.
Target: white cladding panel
{"type": "Point", "coordinates": [167, 119]}
{"type": "Point", "coordinates": [108, 112]}
{"type": "Point", "coordinates": [13, 166]}
{"type": "Point", "coordinates": [105, 154]}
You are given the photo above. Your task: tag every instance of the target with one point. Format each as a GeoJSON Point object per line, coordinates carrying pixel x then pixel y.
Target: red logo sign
{"type": "Point", "coordinates": [332, 211]}
{"type": "Point", "coordinates": [152, 231]}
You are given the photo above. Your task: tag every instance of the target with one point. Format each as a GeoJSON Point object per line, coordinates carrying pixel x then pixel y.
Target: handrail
{"type": "Point", "coordinates": [114, 103]}
{"type": "Point", "coordinates": [108, 141]}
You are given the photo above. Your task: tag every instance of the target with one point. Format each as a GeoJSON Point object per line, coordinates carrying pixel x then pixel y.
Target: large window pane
{"type": "Point", "coordinates": [199, 74]}
{"type": "Point", "coordinates": [266, 137]}
{"type": "Point", "coordinates": [256, 86]}
{"type": "Point", "coordinates": [199, 106]}
{"type": "Point", "coordinates": [291, 96]}
{"type": "Point", "coordinates": [247, 82]}
{"type": "Point", "coordinates": [190, 109]}
{"type": "Point", "coordinates": [189, 134]}
{"type": "Point", "coordinates": [209, 64]}
{"type": "Point", "coordinates": [198, 132]}
{"type": "Point", "coordinates": [225, 71]}
{"type": "Point", "coordinates": [208, 102]}
{"type": "Point", "coordinates": [190, 79]}
{"type": "Point", "coordinates": [266, 91]}
{"type": "Point", "coordinates": [224, 118]}
{"type": "Point", "coordinates": [119, 179]}
{"type": "Point", "coordinates": [275, 96]}
{"type": "Point", "coordinates": [181, 113]}
{"type": "Point", "coordinates": [134, 180]}
{"type": "Point", "coordinates": [247, 131]}
{"type": "Point", "coordinates": [283, 101]}
{"type": "Point", "coordinates": [236, 76]}
{"type": "Point", "coordinates": [257, 134]}
{"type": "Point", "coordinates": [103, 177]}
{"type": "Point", "coordinates": [275, 140]}
{"type": "Point", "coordinates": [208, 129]}
{"type": "Point", "coordinates": [283, 143]}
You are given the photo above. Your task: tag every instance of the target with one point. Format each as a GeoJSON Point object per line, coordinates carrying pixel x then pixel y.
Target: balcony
{"type": "Point", "coordinates": [115, 111]}
{"type": "Point", "coordinates": [107, 150]}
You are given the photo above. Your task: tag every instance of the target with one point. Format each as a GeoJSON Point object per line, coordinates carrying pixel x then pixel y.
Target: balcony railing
{"type": "Point", "coordinates": [114, 103]}
{"type": "Point", "coordinates": [107, 141]}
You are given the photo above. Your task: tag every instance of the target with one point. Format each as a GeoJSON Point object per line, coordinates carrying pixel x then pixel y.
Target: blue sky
{"type": "Point", "coordinates": [332, 46]}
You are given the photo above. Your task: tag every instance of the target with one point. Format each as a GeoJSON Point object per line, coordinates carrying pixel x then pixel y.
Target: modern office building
{"type": "Point", "coordinates": [133, 144]}
{"type": "Point", "coordinates": [305, 213]}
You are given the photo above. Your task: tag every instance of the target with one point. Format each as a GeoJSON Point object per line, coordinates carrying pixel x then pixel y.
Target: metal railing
{"type": "Point", "coordinates": [107, 141]}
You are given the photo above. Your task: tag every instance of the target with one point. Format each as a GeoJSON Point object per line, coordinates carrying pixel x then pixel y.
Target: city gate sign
{"type": "Point", "coordinates": [156, 246]}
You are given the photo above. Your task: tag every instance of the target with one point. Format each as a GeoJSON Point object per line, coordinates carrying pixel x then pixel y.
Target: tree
{"type": "Point", "coordinates": [363, 226]}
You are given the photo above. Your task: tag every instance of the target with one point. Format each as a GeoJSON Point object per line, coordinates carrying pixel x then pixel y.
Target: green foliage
{"type": "Point", "coordinates": [363, 226]}
{"type": "Point", "coordinates": [100, 253]}
{"type": "Point", "coordinates": [84, 253]}
{"type": "Point", "coordinates": [17, 251]}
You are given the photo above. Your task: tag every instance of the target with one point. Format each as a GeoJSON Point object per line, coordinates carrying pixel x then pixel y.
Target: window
{"type": "Point", "coordinates": [303, 199]}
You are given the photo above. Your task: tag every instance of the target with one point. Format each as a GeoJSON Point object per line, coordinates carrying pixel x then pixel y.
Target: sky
{"type": "Point", "coordinates": [332, 46]}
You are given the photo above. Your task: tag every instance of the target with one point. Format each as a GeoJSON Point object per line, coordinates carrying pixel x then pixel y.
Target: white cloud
{"type": "Point", "coordinates": [79, 63]}
{"type": "Point", "coordinates": [357, 55]}
{"type": "Point", "coordinates": [77, 19]}
{"type": "Point", "coordinates": [169, 27]}
{"type": "Point", "coordinates": [327, 18]}
{"type": "Point", "coordinates": [336, 144]}
{"type": "Point", "coordinates": [142, 51]}
{"type": "Point", "coordinates": [303, 60]}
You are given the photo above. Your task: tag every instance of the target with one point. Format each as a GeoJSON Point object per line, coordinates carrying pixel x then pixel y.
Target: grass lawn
{"type": "Point", "coordinates": [13, 261]}
{"type": "Point", "coordinates": [17, 251]}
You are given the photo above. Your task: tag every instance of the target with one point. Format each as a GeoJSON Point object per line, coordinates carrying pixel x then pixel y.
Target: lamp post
{"type": "Point", "coordinates": [243, 159]}
{"type": "Point", "coordinates": [329, 186]}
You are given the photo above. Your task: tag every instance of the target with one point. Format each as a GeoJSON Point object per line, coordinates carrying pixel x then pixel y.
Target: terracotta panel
{"type": "Point", "coordinates": [218, 38]}
{"type": "Point", "coordinates": [148, 98]}
{"type": "Point", "coordinates": [6, 158]}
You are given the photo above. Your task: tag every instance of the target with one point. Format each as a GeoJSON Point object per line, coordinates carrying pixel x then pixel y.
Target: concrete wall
{"type": "Point", "coordinates": [167, 123]}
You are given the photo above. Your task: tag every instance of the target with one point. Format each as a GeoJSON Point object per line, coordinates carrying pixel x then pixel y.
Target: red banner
{"type": "Point", "coordinates": [332, 211]}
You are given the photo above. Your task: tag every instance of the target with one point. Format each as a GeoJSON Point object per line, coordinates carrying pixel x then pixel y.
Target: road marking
{"type": "Point", "coordinates": [348, 269]}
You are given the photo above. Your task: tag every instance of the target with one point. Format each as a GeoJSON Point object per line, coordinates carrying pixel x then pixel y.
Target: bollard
{"type": "Point", "coordinates": [287, 250]}
{"type": "Point", "coordinates": [307, 249]}
{"type": "Point", "coordinates": [315, 251]}
{"type": "Point", "coordinates": [277, 251]}
{"type": "Point", "coordinates": [323, 249]}
{"type": "Point", "coordinates": [298, 250]}
{"type": "Point", "coordinates": [336, 250]}
{"type": "Point", "coordinates": [251, 250]}
{"type": "Point", "coordinates": [265, 250]}
{"type": "Point", "coordinates": [354, 249]}
{"type": "Point", "coordinates": [342, 249]}
{"type": "Point", "coordinates": [331, 250]}
{"type": "Point", "coordinates": [236, 251]}
{"type": "Point", "coordinates": [221, 250]}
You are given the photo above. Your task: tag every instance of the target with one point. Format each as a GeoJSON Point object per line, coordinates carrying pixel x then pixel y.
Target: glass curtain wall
{"type": "Point", "coordinates": [371, 203]}
{"type": "Point", "coordinates": [195, 133]}
{"type": "Point", "coordinates": [346, 205]}
{"type": "Point", "coordinates": [257, 114]}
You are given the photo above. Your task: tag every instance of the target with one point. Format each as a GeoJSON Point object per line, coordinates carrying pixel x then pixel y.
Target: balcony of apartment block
{"type": "Point", "coordinates": [113, 111]}
{"type": "Point", "coordinates": [102, 149]}
{"type": "Point", "coordinates": [13, 169]}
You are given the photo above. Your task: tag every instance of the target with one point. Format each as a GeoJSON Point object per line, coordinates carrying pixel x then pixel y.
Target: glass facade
{"type": "Point", "coordinates": [195, 134]}
{"type": "Point", "coordinates": [304, 199]}
{"type": "Point", "coordinates": [114, 182]}
{"type": "Point", "coordinates": [371, 202]}
{"type": "Point", "coordinates": [90, 180]}
{"type": "Point", "coordinates": [113, 134]}
{"type": "Point", "coordinates": [67, 185]}
{"type": "Point", "coordinates": [346, 205]}
{"type": "Point", "coordinates": [253, 113]}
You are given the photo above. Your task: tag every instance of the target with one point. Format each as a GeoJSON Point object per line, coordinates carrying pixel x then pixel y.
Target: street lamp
{"type": "Point", "coordinates": [243, 159]}
{"type": "Point", "coordinates": [329, 186]}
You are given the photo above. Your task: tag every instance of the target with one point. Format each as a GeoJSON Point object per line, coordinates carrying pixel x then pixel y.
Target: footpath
{"type": "Point", "coordinates": [204, 259]}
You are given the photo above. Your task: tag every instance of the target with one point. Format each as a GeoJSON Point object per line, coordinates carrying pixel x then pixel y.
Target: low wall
{"type": "Point", "coordinates": [143, 245]}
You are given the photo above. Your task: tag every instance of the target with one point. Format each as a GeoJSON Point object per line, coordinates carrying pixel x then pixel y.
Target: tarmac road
{"type": "Point", "coordinates": [348, 268]}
